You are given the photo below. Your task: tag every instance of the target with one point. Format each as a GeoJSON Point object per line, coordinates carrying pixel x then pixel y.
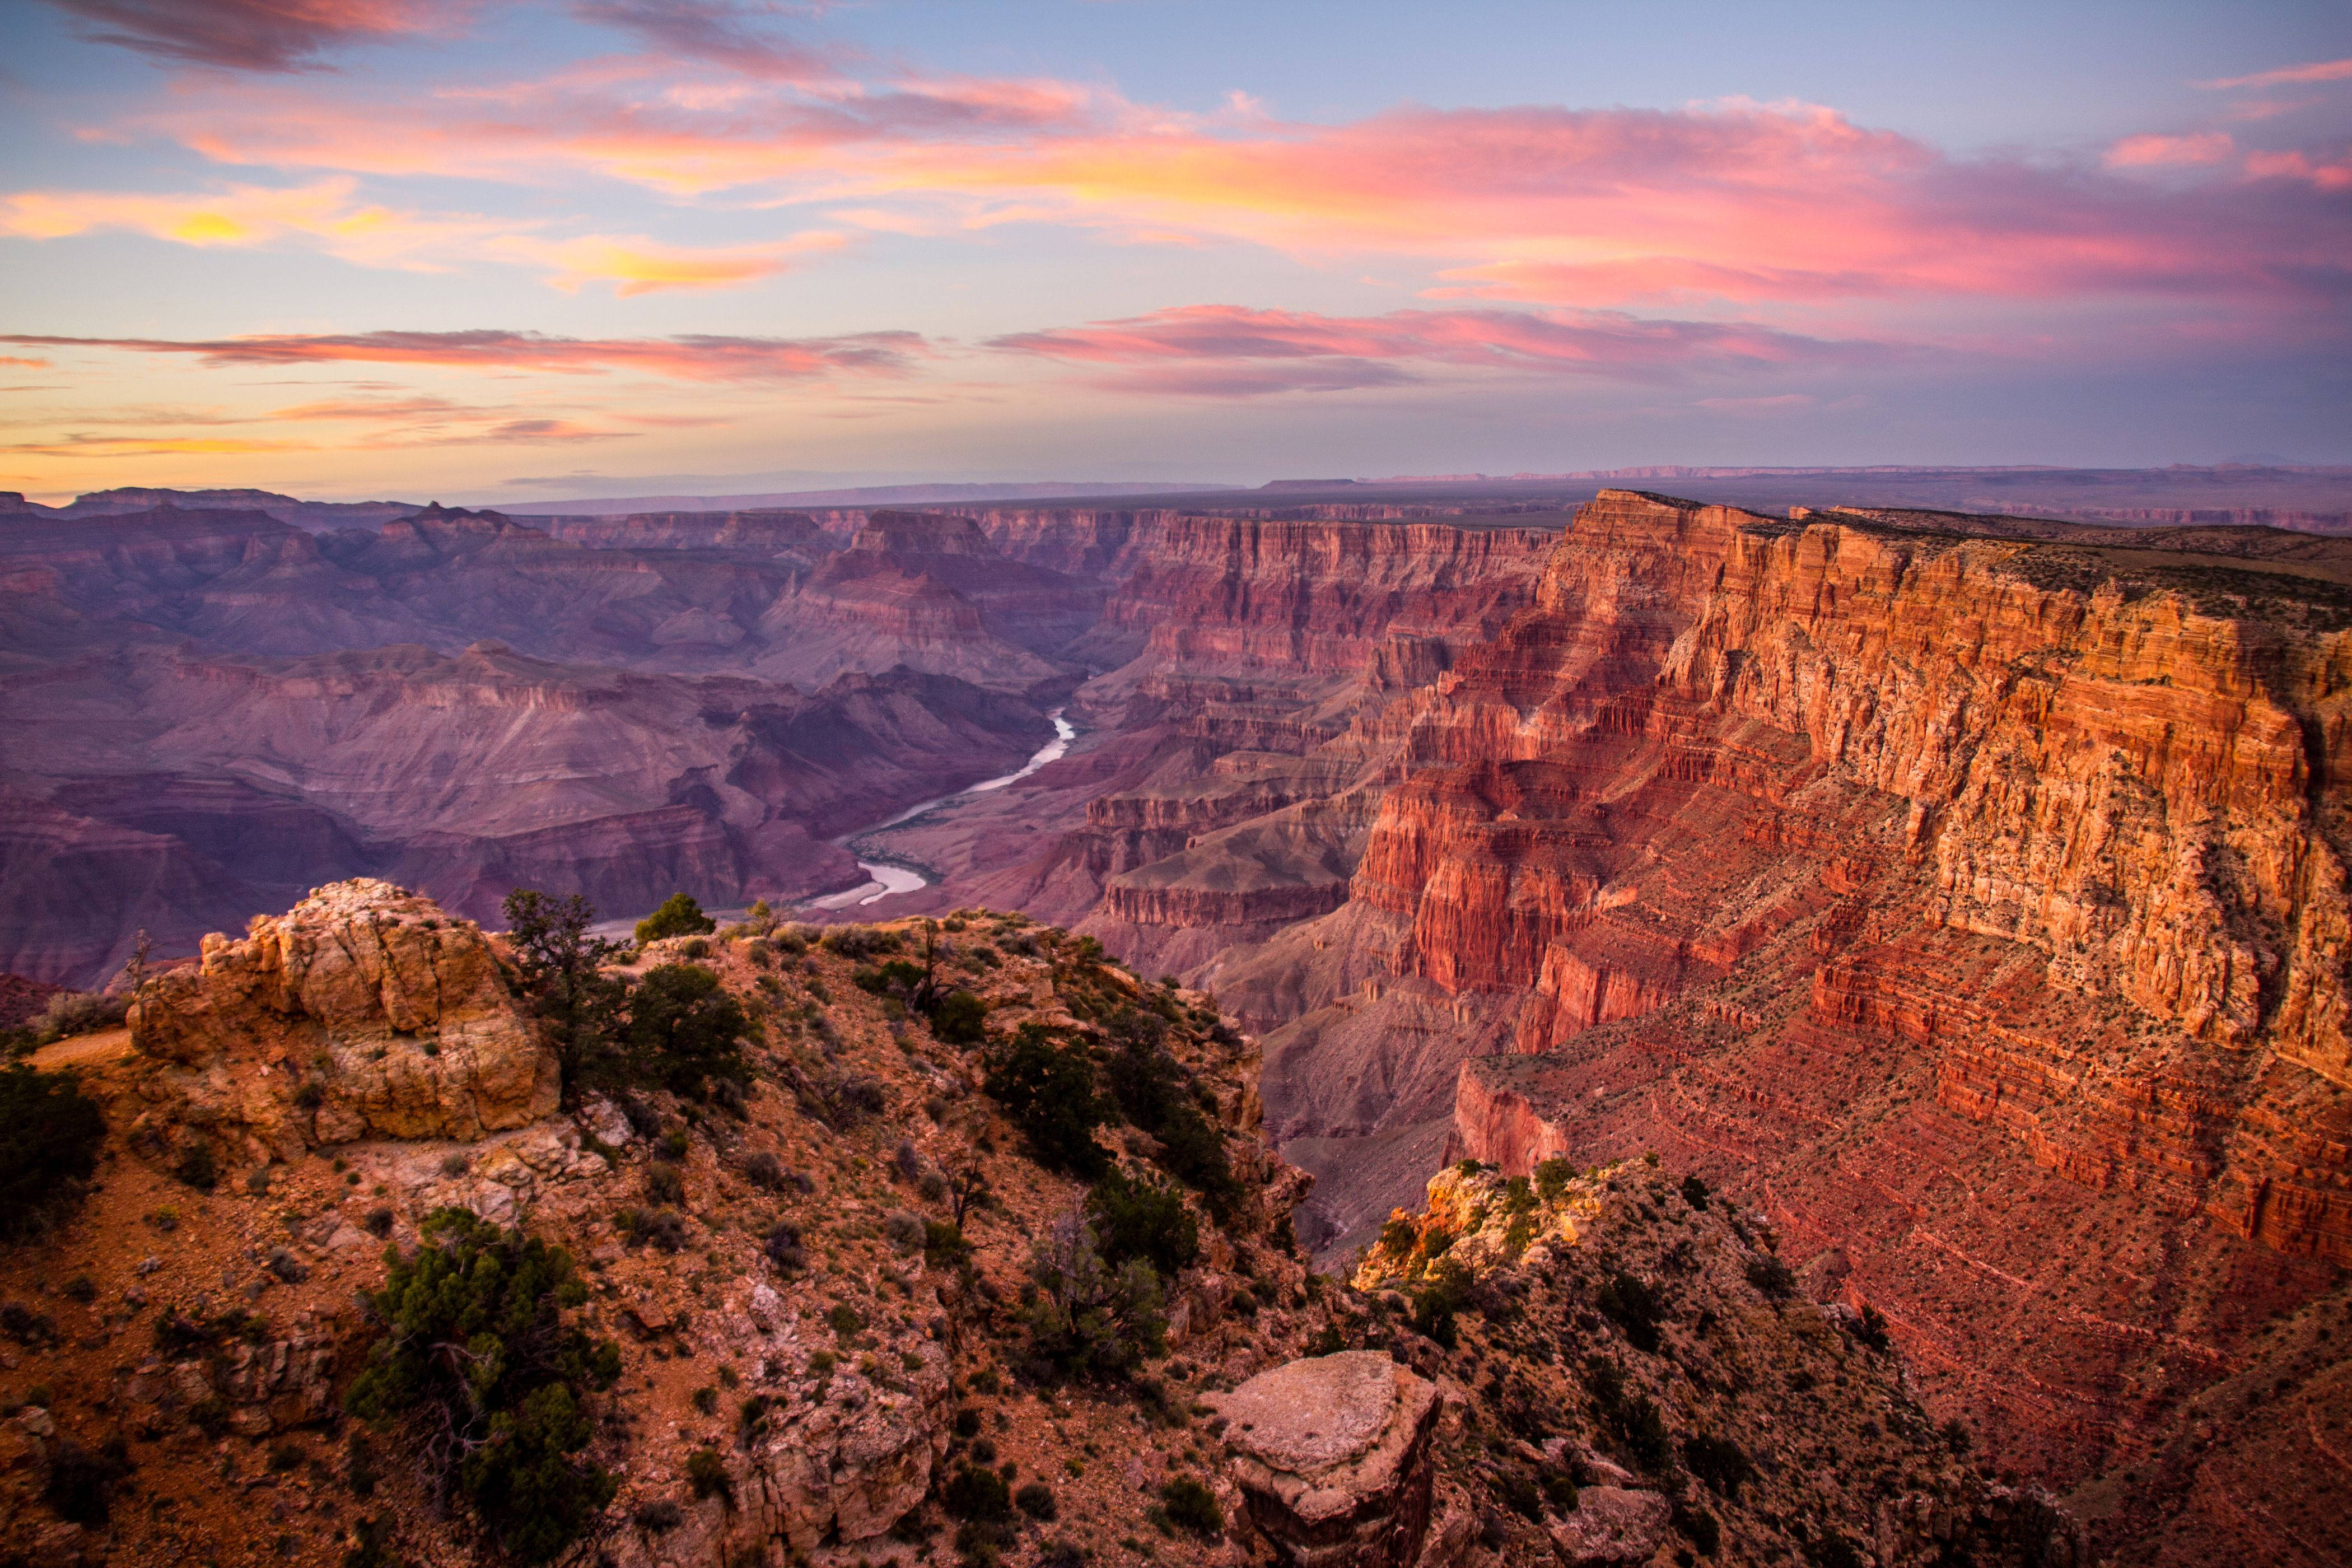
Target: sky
{"type": "Point", "coordinates": [470, 251]}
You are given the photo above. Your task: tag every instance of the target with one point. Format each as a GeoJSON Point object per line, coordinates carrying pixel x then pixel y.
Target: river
{"type": "Point", "coordinates": [892, 876]}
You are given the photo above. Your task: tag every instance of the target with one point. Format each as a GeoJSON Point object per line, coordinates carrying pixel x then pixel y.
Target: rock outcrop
{"type": "Point", "coordinates": [364, 1012]}
{"type": "Point", "coordinates": [1333, 1455]}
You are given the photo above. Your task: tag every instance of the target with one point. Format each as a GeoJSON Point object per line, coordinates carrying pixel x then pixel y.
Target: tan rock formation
{"type": "Point", "coordinates": [363, 1012]}
{"type": "Point", "coordinates": [1332, 1455]}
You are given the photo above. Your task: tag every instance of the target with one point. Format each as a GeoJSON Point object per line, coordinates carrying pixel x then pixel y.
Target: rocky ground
{"type": "Point", "coordinates": [807, 1371]}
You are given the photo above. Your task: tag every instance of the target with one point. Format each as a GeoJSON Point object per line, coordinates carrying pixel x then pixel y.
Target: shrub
{"type": "Point", "coordinates": [783, 1247]}
{"type": "Point", "coordinates": [49, 1138]}
{"type": "Point", "coordinates": [960, 1019]}
{"type": "Point", "coordinates": [81, 1481]}
{"type": "Point", "coordinates": [685, 1030]}
{"type": "Point", "coordinates": [1695, 1192]}
{"type": "Point", "coordinates": [1772, 1277]}
{"type": "Point", "coordinates": [1552, 1177]}
{"type": "Point", "coordinates": [1699, 1527]}
{"type": "Point", "coordinates": [1871, 1329]}
{"type": "Point", "coordinates": [477, 1347]}
{"type": "Point", "coordinates": [1087, 1319]}
{"type": "Point", "coordinates": [764, 1171]}
{"type": "Point", "coordinates": [1633, 1306]}
{"type": "Point", "coordinates": [198, 1166]}
{"type": "Point", "coordinates": [79, 1012]}
{"type": "Point", "coordinates": [843, 1320]}
{"type": "Point", "coordinates": [1719, 1462]}
{"type": "Point", "coordinates": [665, 1184]}
{"type": "Point", "coordinates": [1191, 1505]}
{"type": "Point", "coordinates": [662, 1229]}
{"type": "Point", "coordinates": [1440, 1298]}
{"type": "Point", "coordinates": [560, 965]}
{"type": "Point", "coordinates": [904, 1229]}
{"type": "Point", "coordinates": [1036, 1500]}
{"type": "Point", "coordinates": [678, 916]}
{"type": "Point", "coordinates": [944, 1245]}
{"type": "Point", "coordinates": [659, 1517]}
{"type": "Point", "coordinates": [1049, 1092]}
{"type": "Point", "coordinates": [706, 1472]}
{"type": "Point", "coordinates": [1138, 1218]}
{"type": "Point", "coordinates": [977, 1494]}
{"type": "Point", "coordinates": [378, 1222]}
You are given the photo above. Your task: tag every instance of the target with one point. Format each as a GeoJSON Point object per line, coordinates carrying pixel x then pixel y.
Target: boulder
{"type": "Point", "coordinates": [1333, 1455]}
{"type": "Point", "coordinates": [364, 1012]}
{"type": "Point", "coordinates": [1610, 1527]}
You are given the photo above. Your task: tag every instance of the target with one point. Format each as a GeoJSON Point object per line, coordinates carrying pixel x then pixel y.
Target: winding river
{"type": "Point", "coordinates": [892, 876]}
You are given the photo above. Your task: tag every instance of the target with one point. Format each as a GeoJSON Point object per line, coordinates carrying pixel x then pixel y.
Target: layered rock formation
{"type": "Point", "coordinates": [363, 1012]}
{"type": "Point", "coordinates": [1914, 883]}
{"type": "Point", "coordinates": [1333, 1456]}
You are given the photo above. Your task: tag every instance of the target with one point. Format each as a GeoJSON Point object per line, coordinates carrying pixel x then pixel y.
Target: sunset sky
{"type": "Point", "coordinates": [352, 249]}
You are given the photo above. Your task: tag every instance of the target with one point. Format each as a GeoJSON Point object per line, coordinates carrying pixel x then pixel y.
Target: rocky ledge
{"type": "Point", "coordinates": [363, 1012]}
{"type": "Point", "coordinates": [1332, 1455]}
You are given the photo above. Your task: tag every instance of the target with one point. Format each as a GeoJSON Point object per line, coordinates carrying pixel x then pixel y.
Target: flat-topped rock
{"type": "Point", "coordinates": [1309, 1415]}
{"type": "Point", "coordinates": [1332, 1455]}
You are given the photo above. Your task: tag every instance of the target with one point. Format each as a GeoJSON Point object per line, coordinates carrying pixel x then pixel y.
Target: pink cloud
{"type": "Point", "coordinates": [2323, 70]}
{"type": "Point", "coordinates": [2164, 151]}
{"type": "Point", "coordinates": [255, 34]}
{"type": "Point", "coordinates": [1232, 351]}
{"type": "Point", "coordinates": [690, 357]}
{"type": "Point", "coordinates": [1738, 202]}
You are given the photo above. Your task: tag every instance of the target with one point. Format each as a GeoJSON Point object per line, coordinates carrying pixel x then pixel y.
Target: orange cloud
{"type": "Point", "coordinates": [324, 211]}
{"type": "Point", "coordinates": [326, 214]}
{"type": "Point", "coordinates": [691, 357]}
{"type": "Point", "coordinates": [635, 265]}
{"type": "Point", "coordinates": [24, 364]}
{"type": "Point", "coordinates": [150, 446]}
{"type": "Point", "coordinates": [1739, 201]}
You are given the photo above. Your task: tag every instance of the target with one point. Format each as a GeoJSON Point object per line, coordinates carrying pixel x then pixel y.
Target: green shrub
{"type": "Point", "coordinates": [1036, 1500]}
{"type": "Point", "coordinates": [81, 1481]}
{"type": "Point", "coordinates": [977, 1494]}
{"type": "Point", "coordinates": [198, 1166]}
{"type": "Point", "coordinates": [678, 916]}
{"type": "Point", "coordinates": [1772, 1277]}
{"type": "Point", "coordinates": [1721, 1462]}
{"type": "Point", "coordinates": [560, 965]}
{"type": "Point", "coordinates": [686, 1030]}
{"type": "Point", "coordinates": [1552, 1177]}
{"type": "Point", "coordinates": [706, 1472]}
{"type": "Point", "coordinates": [1633, 1306]}
{"type": "Point", "coordinates": [1699, 1527]}
{"type": "Point", "coordinates": [1138, 1218]}
{"type": "Point", "coordinates": [1440, 1298]}
{"type": "Point", "coordinates": [1191, 1505]}
{"type": "Point", "coordinates": [960, 1019]}
{"type": "Point", "coordinates": [477, 1350]}
{"type": "Point", "coordinates": [1049, 1092]}
{"type": "Point", "coordinates": [49, 1138]}
{"type": "Point", "coordinates": [1085, 1319]}
{"type": "Point", "coordinates": [665, 1184]}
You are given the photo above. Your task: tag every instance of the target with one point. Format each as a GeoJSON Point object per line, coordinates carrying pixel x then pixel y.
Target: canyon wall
{"type": "Point", "coordinates": [1974, 905]}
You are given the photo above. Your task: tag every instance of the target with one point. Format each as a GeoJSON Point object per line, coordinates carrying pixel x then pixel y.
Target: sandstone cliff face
{"type": "Point", "coordinates": [1307, 598]}
{"type": "Point", "coordinates": [362, 1012]}
{"type": "Point", "coordinates": [1950, 896]}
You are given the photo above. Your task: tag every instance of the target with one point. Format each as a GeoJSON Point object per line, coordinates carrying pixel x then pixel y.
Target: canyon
{"type": "Point", "coordinates": [1965, 892]}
